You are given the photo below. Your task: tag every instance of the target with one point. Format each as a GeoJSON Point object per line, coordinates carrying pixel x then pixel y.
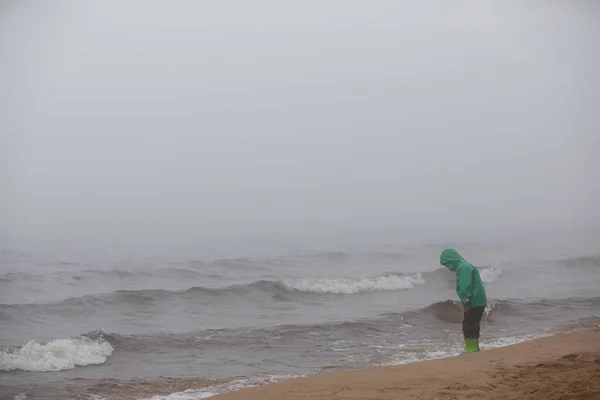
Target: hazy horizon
{"type": "Point", "coordinates": [142, 120]}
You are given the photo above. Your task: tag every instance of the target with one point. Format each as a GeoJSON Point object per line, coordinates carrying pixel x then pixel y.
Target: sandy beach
{"type": "Point", "coordinates": [564, 366]}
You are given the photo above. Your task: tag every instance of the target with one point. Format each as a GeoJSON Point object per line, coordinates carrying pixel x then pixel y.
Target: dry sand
{"type": "Point", "coordinates": [565, 366]}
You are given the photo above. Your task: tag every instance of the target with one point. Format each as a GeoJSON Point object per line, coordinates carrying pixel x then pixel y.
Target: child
{"type": "Point", "coordinates": [472, 295]}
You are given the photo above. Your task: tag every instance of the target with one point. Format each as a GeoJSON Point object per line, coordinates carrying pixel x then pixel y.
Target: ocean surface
{"type": "Point", "coordinates": [94, 323]}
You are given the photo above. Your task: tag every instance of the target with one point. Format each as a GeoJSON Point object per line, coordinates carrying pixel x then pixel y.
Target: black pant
{"type": "Point", "coordinates": [471, 322]}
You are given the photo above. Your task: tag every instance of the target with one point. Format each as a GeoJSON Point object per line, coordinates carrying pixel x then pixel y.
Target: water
{"type": "Point", "coordinates": [78, 323]}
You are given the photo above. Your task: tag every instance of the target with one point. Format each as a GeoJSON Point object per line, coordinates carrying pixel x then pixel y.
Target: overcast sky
{"type": "Point", "coordinates": [183, 118]}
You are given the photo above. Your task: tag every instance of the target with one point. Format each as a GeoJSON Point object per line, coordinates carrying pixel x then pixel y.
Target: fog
{"type": "Point", "coordinates": [187, 119]}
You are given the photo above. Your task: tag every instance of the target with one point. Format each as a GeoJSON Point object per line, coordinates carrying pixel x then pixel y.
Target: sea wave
{"type": "Point", "coordinates": [352, 286]}
{"type": "Point", "coordinates": [95, 347]}
{"type": "Point", "coordinates": [586, 262]}
{"type": "Point", "coordinates": [435, 315]}
{"type": "Point", "coordinates": [94, 274]}
{"type": "Point", "coordinates": [265, 287]}
{"type": "Point", "coordinates": [57, 355]}
{"type": "Point", "coordinates": [451, 311]}
{"type": "Point", "coordinates": [224, 268]}
{"type": "Point", "coordinates": [490, 274]}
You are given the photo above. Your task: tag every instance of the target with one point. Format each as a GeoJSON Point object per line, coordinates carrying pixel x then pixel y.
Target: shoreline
{"type": "Point", "coordinates": [561, 366]}
{"type": "Point", "coordinates": [557, 366]}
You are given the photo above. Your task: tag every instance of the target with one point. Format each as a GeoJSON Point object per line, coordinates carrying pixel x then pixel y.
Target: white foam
{"type": "Point", "coordinates": [58, 355]}
{"type": "Point", "coordinates": [195, 394]}
{"type": "Point", "coordinates": [411, 357]}
{"type": "Point", "coordinates": [20, 396]}
{"type": "Point", "coordinates": [351, 286]}
{"type": "Point", "coordinates": [457, 349]}
{"type": "Point", "coordinates": [490, 274]}
{"type": "Point", "coordinates": [510, 340]}
{"type": "Point", "coordinates": [191, 394]}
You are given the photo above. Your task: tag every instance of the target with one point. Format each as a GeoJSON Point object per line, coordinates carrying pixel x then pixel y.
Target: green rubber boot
{"type": "Point", "coordinates": [471, 346]}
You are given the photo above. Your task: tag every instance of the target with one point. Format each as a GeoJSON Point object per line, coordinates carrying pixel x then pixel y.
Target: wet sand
{"type": "Point", "coordinates": [564, 366]}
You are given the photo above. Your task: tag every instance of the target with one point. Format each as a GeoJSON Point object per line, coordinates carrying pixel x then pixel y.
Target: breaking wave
{"type": "Point", "coordinates": [95, 347]}
{"type": "Point", "coordinates": [263, 287]}
{"type": "Point", "coordinates": [490, 274]}
{"type": "Point", "coordinates": [57, 355]}
{"type": "Point", "coordinates": [277, 290]}
{"type": "Point", "coordinates": [352, 286]}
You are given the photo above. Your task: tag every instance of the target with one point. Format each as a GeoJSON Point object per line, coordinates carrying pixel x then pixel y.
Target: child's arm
{"type": "Point", "coordinates": [464, 287]}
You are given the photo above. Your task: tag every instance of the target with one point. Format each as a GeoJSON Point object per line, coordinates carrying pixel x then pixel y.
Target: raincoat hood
{"type": "Point", "coordinates": [450, 259]}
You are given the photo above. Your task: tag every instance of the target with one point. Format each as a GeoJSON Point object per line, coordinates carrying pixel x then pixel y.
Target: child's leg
{"type": "Point", "coordinates": [471, 328]}
{"type": "Point", "coordinates": [471, 323]}
{"type": "Point", "coordinates": [476, 316]}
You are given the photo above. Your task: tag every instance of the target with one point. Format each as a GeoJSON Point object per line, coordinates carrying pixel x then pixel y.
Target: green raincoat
{"type": "Point", "coordinates": [469, 287]}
